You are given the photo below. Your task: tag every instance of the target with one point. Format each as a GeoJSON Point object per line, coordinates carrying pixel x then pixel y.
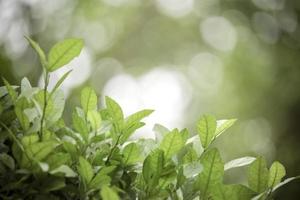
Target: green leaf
{"type": "Point", "coordinates": [223, 125]}
{"type": "Point", "coordinates": [20, 105]}
{"type": "Point", "coordinates": [53, 184]}
{"type": "Point", "coordinates": [131, 153]}
{"type": "Point", "coordinates": [279, 185]}
{"type": "Point", "coordinates": [258, 175]}
{"type": "Point", "coordinates": [116, 114]}
{"type": "Point", "coordinates": [152, 167]}
{"type": "Point", "coordinates": [132, 123]}
{"type": "Point", "coordinates": [114, 109]}
{"type": "Point", "coordinates": [7, 161]}
{"type": "Point", "coordinates": [40, 150]}
{"type": "Point", "coordinates": [94, 118]}
{"type": "Point", "coordinates": [88, 99]}
{"type": "Point", "coordinates": [212, 174]}
{"type": "Point", "coordinates": [276, 173]}
{"type": "Point", "coordinates": [12, 93]}
{"type": "Point", "coordinates": [63, 52]}
{"type": "Point", "coordinates": [65, 170]}
{"type": "Point", "coordinates": [108, 194]}
{"type": "Point", "coordinates": [172, 143]}
{"type": "Point", "coordinates": [85, 170]}
{"type": "Point", "coordinates": [285, 182]}
{"type": "Point", "coordinates": [58, 159]}
{"type": "Point", "coordinates": [191, 170]}
{"type": "Point", "coordinates": [55, 106]}
{"type": "Point", "coordinates": [206, 129]}
{"type": "Point", "coordinates": [160, 132]}
{"type": "Point", "coordinates": [102, 177]}
{"type": "Point", "coordinates": [38, 50]}
{"type": "Point", "coordinates": [80, 125]}
{"type": "Point", "coordinates": [231, 192]}
{"type": "Point", "coordinates": [239, 162]}
{"type": "Point", "coordinates": [60, 81]}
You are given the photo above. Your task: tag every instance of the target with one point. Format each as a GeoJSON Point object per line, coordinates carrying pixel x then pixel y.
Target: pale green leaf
{"type": "Point", "coordinates": [192, 169]}
{"type": "Point", "coordinates": [20, 105]}
{"type": "Point", "coordinates": [65, 170]}
{"type": "Point", "coordinates": [38, 50]}
{"type": "Point", "coordinates": [114, 109]}
{"type": "Point", "coordinates": [131, 153]}
{"type": "Point", "coordinates": [276, 173]}
{"type": "Point", "coordinates": [88, 99]}
{"type": "Point", "coordinates": [101, 178]}
{"type": "Point", "coordinates": [80, 125]}
{"type": "Point", "coordinates": [160, 132]}
{"type": "Point", "coordinates": [223, 125]}
{"type": "Point", "coordinates": [212, 174]}
{"type": "Point", "coordinates": [206, 128]}
{"type": "Point", "coordinates": [152, 167]}
{"type": "Point", "coordinates": [279, 185]}
{"type": "Point", "coordinates": [285, 182]}
{"type": "Point", "coordinates": [10, 89]}
{"type": "Point", "coordinates": [258, 175]}
{"type": "Point", "coordinates": [108, 194]}
{"type": "Point", "coordinates": [40, 150]}
{"type": "Point", "coordinates": [94, 118]}
{"type": "Point", "coordinates": [63, 52]}
{"type": "Point", "coordinates": [85, 170]}
{"type": "Point", "coordinates": [7, 160]}
{"type": "Point", "coordinates": [172, 143]}
{"type": "Point", "coordinates": [60, 81]}
{"type": "Point", "coordinates": [239, 162]}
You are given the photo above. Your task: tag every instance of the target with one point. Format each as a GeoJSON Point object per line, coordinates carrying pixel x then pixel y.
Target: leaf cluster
{"type": "Point", "coordinates": [95, 158]}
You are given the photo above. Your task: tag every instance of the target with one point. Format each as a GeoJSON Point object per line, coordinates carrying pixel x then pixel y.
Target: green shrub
{"type": "Point", "coordinates": [94, 158]}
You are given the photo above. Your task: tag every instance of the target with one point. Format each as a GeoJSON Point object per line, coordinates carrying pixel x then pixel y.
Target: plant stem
{"type": "Point", "coordinates": [113, 149]}
{"type": "Point", "coordinates": [45, 104]}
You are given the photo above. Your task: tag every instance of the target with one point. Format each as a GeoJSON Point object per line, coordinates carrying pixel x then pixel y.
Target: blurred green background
{"type": "Point", "coordinates": [183, 58]}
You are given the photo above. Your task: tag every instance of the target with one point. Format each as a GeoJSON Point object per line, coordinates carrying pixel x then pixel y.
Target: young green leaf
{"type": "Point", "coordinates": [160, 132]}
{"type": "Point", "coordinates": [114, 109]}
{"type": "Point", "coordinates": [108, 194]}
{"type": "Point", "coordinates": [63, 52]}
{"type": "Point", "coordinates": [20, 105]}
{"type": "Point", "coordinates": [101, 178]}
{"type": "Point", "coordinates": [85, 170]}
{"type": "Point", "coordinates": [80, 125]}
{"type": "Point", "coordinates": [65, 170]}
{"type": "Point", "coordinates": [94, 118]}
{"type": "Point", "coordinates": [39, 51]}
{"type": "Point", "coordinates": [7, 160]}
{"type": "Point", "coordinates": [206, 129]}
{"type": "Point", "coordinates": [276, 173]}
{"type": "Point", "coordinates": [223, 125]}
{"type": "Point", "coordinates": [88, 99]}
{"type": "Point", "coordinates": [212, 174]}
{"type": "Point", "coordinates": [116, 114]}
{"type": "Point", "coordinates": [285, 182]}
{"type": "Point", "coordinates": [232, 192]}
{"type": "Point", "coordinates": [258, 175]}
{"type": "Point", "coordinates": [59, 82]}
{"type": "Point", "coordinates": [152, 168]}
{"type": "Point", "coordinates": [239, 162]}
{"type": "Point", "coordinates": [131, 153]}
{"type": "Point", "coordinates": [12, 93]}
{"type": "Point", "coordinates": [192, 169]}
{"type": "Point", "coordinates": [172, 143]}
{"type": "Point", "coordinates": [40, 150]}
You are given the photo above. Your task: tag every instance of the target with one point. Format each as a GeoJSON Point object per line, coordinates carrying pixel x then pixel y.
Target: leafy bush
{"type": "Point", "coordinates": [94, 158]}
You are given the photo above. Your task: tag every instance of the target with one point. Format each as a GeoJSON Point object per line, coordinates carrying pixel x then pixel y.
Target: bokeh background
{"type": "Point", "coordinates": [183, 58]}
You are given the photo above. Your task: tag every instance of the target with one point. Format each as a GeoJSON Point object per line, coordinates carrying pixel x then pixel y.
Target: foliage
{"type": "Point", "coordinates": [94, 158]}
